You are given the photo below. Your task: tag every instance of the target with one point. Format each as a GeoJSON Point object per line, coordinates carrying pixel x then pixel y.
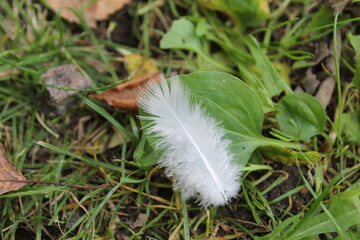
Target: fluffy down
{"type": "Point", "coordinates": [196, 154]}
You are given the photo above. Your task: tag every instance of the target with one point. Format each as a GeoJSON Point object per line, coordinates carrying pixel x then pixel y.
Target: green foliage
{"type": "Point", "coordinates": [270, 81]}
{"type": "Point", "coordinates": [182, 36]}
{"type": "Point", "coordinates": [145, 154]}
{"type": "Point", "coordinates": [342, 213]}
{"type": "Point", "coordinates": [355, 43]}
{"type": "Point", "coordinates": [289, 156]}
{"type": "Point", "coordinates": [302, 116]}
{"type": "Point", "coordinates": [262, 77]}
{"type": "Point", "coordinates": [339, 216]}
{"type": "Point", "coordinates": [245, 12]}
{"type": "Point", "coordinates": [350, 126]}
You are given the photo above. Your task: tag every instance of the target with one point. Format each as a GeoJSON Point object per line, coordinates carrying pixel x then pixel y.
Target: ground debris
{"type": "Point", "coordinates": [59, 100]}
{"type": "Point", "coordinates": [9, 172]}
{"type": "Point", "coordinates": [124, 96]}
{"type": "Point", "coordinates": [95, 11]}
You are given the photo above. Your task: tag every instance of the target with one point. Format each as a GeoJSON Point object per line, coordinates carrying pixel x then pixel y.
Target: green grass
{"type": "Point", "coordinates": [277, 200]}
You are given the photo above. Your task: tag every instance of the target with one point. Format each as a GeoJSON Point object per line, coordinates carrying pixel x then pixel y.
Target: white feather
{"type": "Point", "coordinates": [195, 151]}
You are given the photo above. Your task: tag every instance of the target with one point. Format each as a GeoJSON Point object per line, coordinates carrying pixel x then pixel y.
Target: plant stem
{"type": "Point", "coordinates": [57, 184]}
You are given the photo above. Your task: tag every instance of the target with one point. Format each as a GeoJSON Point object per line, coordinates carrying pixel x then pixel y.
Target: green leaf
{"type": "Point", "coordinates": [235, 105]}
{"type": "Point", "coordinates": [344, 209]}
{"type": "Point", "coordinates": [181, 36]}
{"type": "Point", "coordinates": [263, 77]}
{"type": "Point", "coordinates": [270, 79]}
{"type": "Point", "coordinates": [303, 116]}
{"type": "Point", "coordinates": [355, 43]}
{"type": "Point", "coordinates": [350, 125]}
{"type": "Point", "coordinates": [201, 27]}
{"type": "Point", "coordinates": [322, 17]}
{"type": "Point", "coordinates": [144, 153]}
{"type": "Point", "coordinates": [247, 12]}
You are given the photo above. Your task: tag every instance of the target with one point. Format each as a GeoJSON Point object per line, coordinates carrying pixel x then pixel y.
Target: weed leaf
{"type": "Point", "coordinates": [181, 36]}
{"type": "Point", "coordinates": [303, 116]}
{"type": "Point", "coordinates": [355, 43]}
{"type": "Point", "coordinates": [233, 103]}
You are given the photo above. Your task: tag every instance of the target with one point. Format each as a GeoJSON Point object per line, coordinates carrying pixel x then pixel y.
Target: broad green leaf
{"type": "Point", "coordinates": [355, 43]}
{"type": "Point", "coordinates": [201, 27]}
{"type": "Point", "coordinates": [181, 36]}
{"type": "Point", "coordinates": [247, 12]}
{"type": "Point", "coordinates": [303, 116]}
{"type": "Point", "coordinates": [235, 105]}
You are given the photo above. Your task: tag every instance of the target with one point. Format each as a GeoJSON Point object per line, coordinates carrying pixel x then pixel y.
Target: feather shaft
{"type": "Point", "coordinates": [213, 174]}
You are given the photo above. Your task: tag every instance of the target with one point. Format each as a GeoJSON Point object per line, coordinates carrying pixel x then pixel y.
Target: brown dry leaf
{"type": "Point", "coordinates": [124, 96]}
{"type": "Point", "coordinates": [91, 10]}
{"type": "Point", "coordinates": [9, 172]}
{"type": "Point", "coordinates": [141, 69]}
{"type": "Point", "coordinates": [325, 91]}
{"type": "Point", "coordinates": [310, 82]}
{"type": "Point", "coordinates": [139, 222]}
{"type": "Point", "coordinates": [327, 87]}
{"type": "Point", "coordinates": [338, 5]}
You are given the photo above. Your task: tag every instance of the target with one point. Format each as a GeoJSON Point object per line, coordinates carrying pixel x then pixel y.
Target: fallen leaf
{"type": "Point", "coordinates": [63, 76]}
{"type": "Point", "coordinates": [9, 172]}
{"type": "Point", "coordinates": [325, 91]}
{"type": "Point", "coordinates": [92, 11]}
{"type": "Point", "coordinates": [310, 82]}
{"type": "Point", "coordinates": [321, 52]}
{"type": "Point", "coordinates": [338, 5]}
{"type": "Point", "coordinates": [138, 65]}
{"type": "Point", "coordinates": [139, 222]}
{"type": "Point", "coordinates": [327, 87]}
{"type": "Point", "coordinates": [124, 96]}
